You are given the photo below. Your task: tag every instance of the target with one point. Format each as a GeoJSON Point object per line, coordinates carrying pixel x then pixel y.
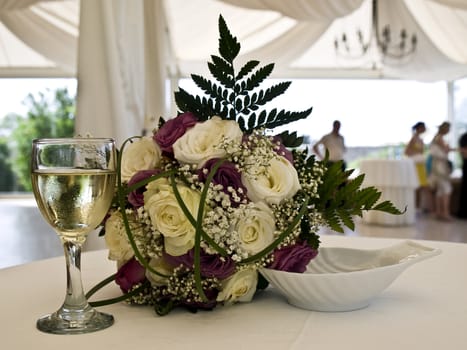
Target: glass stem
{"type": "Point", "coordinates": [75, 300]}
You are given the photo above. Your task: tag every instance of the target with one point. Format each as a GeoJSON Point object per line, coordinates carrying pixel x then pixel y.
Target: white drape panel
{"type": "Point", "coordinates": [303, 35]}
{"type": "Point", "coordinates": [111, 69]}
{"type": "Point", "coordinates": [433, 19]}
{"type": "Point", "coordinates": [157, 59]}
{"type": "Point", "coordinates": [50, 40]}
{"type": "Point", "coordinates": [38, 34]}
{"type": "Point", "coordinates": [7, 5]}
{"type": "Point", "coordinates": [440, 54]}
{"type": "Point", "coordinates": [318, 10]}
{"type": "Point", "coordinates": [428, 63]}
{"type": "Point", "coordinates": [461, 4]}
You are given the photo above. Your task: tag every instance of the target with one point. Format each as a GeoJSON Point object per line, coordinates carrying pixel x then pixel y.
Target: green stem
{"type": "Point", "coordinates": [144, 182]}
{"type": "Point", "coordinates": [198, 225]}
{"type": "Point", "coordinates": [121, 201]}
{"type": "Point", "coordinates": [118, 299]}
{"type": "Point", "coordinates": [100, 285]}
{"type": "Point", "coordinates": [192, 220]}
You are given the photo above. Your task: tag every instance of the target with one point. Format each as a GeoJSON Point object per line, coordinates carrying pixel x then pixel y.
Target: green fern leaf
{"type": "Point", "coordinates": [284, 118]}
{"type": "Point", "coordinates": [290, 139]}
{"type": "Point", "coordinates": [229, 47]}
{"type": "Point", "coordinates": [388, 207]}
{"type": "Point", "coordinates": [223, 65]}
{"type": "Point", "coordinates": [246, 69]}
{"type": "Point", "coordinates": [221, 75]}
{"type": "Point", "coordinates": [259, 77]}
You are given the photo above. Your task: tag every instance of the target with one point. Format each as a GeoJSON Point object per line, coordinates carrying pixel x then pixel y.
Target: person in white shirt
{"type": "Point", "coordinates": [333, 143]}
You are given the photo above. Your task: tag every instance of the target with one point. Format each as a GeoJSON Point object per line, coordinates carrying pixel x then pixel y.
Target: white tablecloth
{"type": "Point", "coordinates": [397, 180]}
{"type": "Point", "coordinates": [425, 308]}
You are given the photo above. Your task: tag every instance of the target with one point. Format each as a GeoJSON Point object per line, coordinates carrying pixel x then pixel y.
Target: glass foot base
{"type": "Point", "coordinates": [58, 323]}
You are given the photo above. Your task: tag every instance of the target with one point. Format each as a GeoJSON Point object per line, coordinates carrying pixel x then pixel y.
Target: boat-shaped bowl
{"type": "Point", "coordinates": [345, 279]}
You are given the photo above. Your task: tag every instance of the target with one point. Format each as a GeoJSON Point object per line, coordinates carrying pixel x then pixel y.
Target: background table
{"type": "Point", "coordinates": [397, 180]}
{"type": "Point", "coordinates": [425, 308]}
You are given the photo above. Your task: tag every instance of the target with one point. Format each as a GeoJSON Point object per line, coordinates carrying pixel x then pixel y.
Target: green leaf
{"type": "Point", "coordinates": [223, 65]}
{"type": "Point", "coordinates": [229, 47]}
{"type": "Point", "coordinates": [236, 96]}
{"type": "Point", "coordinates": [246, 69]}
{"type": "Point", "coordinates": [290, 139]}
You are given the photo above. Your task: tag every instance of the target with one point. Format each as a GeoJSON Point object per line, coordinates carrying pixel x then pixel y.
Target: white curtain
{"type": "Point", "coordinates": [445, 26]}
{"type": "Point", "coordinates": [158, 56]}
{"type": "Point", "coordinates": [111, 69]}
{"type": "Point", "coordinates": [8, 5]}
{"type": "Point", "coordinates": [123, 54]}
{"type": "Point", "coordinates": [306, 10]}
{"type": "Point", "coordinates": [440, 53]}
{"type": "Point", "coordinates": [433, 59]}
{"type": "Point", "coordinates": [461, 4]}
{"type": "Point", "coordinates": [48, 32]}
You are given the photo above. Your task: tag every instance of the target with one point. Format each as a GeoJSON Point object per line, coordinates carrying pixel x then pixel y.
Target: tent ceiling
{"type": "Point", "coordinates": [302, 42]}
{"type": "Point", "coordinates": [40, 38]}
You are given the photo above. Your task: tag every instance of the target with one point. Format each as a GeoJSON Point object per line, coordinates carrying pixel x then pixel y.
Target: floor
{"type": "Point", "coordinates": [26, 237]}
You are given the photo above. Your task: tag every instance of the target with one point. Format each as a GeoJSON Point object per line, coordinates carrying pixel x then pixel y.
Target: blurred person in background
{"type": "Point", "coordinates": [334, 144]}
{"type": "Point", "coordinates": [462, 212]}
{"type": "Point", "coordinates": [440, 174]}
{"type": "Point", "coordinates": [415, 150]}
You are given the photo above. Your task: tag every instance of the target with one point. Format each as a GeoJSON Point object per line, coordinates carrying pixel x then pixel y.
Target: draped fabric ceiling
{"type": "Point", "coordinates": [124, 52]}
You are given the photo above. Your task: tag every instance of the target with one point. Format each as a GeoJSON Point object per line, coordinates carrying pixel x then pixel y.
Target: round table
{"type": "Point", "coordinates": [424, 308]}
{"type": "Point", "coordinates": [397, 180]}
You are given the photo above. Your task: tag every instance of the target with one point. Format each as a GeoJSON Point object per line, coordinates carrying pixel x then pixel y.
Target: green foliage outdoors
{"type": "Point", "coordinates": [7, 177]}
{"type": "Point", "coordinates": [46, 117]}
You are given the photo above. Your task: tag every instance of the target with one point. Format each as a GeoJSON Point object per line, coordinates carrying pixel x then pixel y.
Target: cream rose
{"type": "Point", "coordinates": [116, 238]}
{"type": "Point", "coordinates": [162, 267]}
{"type": "Point", "coordinates": [142, 154]}
{"type": "Point", "coordinates": [201, 142]}
{"type": "Point", "coordinates": [167, 216]}
{"type": "Point", "coordinates": [277, 182]}
{"type": "Point", "coordinates": [256, 228]}
{"type": "Point", "coordinates": [240, 287]}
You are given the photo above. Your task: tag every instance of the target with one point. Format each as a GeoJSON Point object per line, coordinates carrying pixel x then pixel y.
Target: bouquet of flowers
{"type": "Point", "coordinates": [213, 196]}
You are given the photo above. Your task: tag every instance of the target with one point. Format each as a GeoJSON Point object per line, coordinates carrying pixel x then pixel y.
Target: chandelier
{"type": "Point", "coordinates": [400, 47]}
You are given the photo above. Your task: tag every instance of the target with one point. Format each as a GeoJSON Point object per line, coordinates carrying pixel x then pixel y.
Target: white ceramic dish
{"type": "Point", "coordinates": [344, 279]}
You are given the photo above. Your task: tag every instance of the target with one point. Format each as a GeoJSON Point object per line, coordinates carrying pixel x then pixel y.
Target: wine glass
{"type": "Point", "coordinates": [73, 181]}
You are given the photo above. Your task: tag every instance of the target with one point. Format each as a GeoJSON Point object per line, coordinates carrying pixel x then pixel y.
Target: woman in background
{"type": "Point", "coordinates": [415, 149]}
{"type": "Point", "coordinates": [440, 175]}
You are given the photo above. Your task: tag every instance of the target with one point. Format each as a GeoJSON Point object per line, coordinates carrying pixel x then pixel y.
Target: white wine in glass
{"type": "Point", "coordinates": [73, 181]}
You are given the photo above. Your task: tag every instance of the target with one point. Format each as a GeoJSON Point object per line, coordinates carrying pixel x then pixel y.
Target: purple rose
{"type": "Point", "coordinates": [226, 175]}
{"type": "Point", "coordinates": [136, 197]}
{"type": "Point", "coordinates": [212, 265]}
{"type": "Point", "coordinates": [293, 258]}
{"type": "Point", "coordinates": [173, 129]}
{"type": "Point", "coordinates": [130, 274]}
{"type": "Point", "coordinates": [281, 150]}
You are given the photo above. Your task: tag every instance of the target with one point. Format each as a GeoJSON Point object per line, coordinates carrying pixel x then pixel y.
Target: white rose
{"type": "Point", "coordinates": [167, 216]}
{"type": "Point", "coordinates": [142, 154]}
{"type": "Point", "coordinates": [277, 182]}
{"type": "Point", "coordinates": [116, 238]}
{"type": "Point", "coordinates": [162, 267]}
{"type": "Point", "coordinates": [239, 287]}
{"type": "Point", "coordinates": [201, 142]}
{"type": "Point", "coordinates": [256, 228]}
{"type": "Point", "coordinates": [179, 245]}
